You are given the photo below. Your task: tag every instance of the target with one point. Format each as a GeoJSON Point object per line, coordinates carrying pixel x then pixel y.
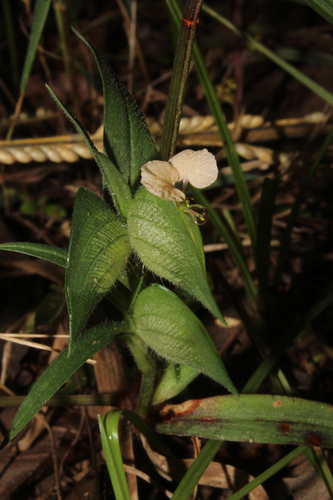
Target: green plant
{"type": "Point", "coordinates": [112, 239]}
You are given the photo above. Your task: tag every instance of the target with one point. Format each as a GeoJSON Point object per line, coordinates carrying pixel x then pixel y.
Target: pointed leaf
{"type": "Point", "coordinates": [127, 139]}
{"type": "Point", "coordinates": [174, 380]}
{"type": "Point", "coordinates": [98, 251]}
{"type": "Point", "coordinates": [115, 182]}
{"type": "Point", "coordinates": [61, 369]}
{"type": "Point", "coordinates": [163, 243]}
{"type": "Point", "coordinates": [52, 254]}
{"type": "Point", "coordinates": [39, 18]}
{"type": "Point", "coordinates": [171, 329]}
{"type": "Point", "coordinates": [252, 417]}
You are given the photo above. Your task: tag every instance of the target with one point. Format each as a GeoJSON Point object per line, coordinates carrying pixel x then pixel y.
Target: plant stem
{"type": "Point", "coordinates": [180, 72]}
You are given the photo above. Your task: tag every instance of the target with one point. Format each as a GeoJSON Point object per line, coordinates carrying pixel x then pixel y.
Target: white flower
{"type": "Point", "coordinates": [197, 167]}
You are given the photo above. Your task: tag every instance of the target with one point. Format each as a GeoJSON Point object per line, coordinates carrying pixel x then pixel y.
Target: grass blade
{"type": "Point", "coordinates": [200, 464]}
{"type": "Point", "coordinates": [323, 7]}
{"type": "Point", "coordinates": [254, 44]}
{"type": "Point", "coordinates": [110, 442]}
{"type": "Point", "coordinates": [268, 473]}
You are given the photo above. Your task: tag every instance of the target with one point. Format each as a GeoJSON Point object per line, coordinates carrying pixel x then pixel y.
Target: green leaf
{"type": "Point", "coordinates": [171, 329]}
{"type": "Point", "coordinates": [323, 7]}
{"type": "Point", "coordinates": [40, 13]}
{"type": "Point", "coordinates": [52, 254]}
{"type": "Point", "coordinates": [253, 418]}
{"type": "Point", "coordinates": [115, 182]}
{"type": "Point", "coordinates": [61, 369]}
{"type": "Point", "coordinates": [198, 467]}
{"type": "Point", "coordinates": [175, 379]}
{"type": "Point", "coordinates": [110, 442]}
{"type": "Point", "coordinates": [127, 139]}
{"type": "Point", "coordinates": [161, 239]}
{"type": "Point", "coordinates": [98, 251]}
{"type": "Point", "coordinates": [112, 453]}
{"type": "Point", "coordinates": [271, 471]}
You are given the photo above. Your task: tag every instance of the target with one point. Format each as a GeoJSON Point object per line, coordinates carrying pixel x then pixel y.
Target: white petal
{"type": "Point", "coordinates": [159, 178]}
{"type": "Point", "coordinates": [199, 167]}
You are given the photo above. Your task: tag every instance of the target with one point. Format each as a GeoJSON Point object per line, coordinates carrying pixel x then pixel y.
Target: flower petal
{"type": "Point", "coordinates": [159, 178]}
{"type": "Point", "coordinates": [199, 167]}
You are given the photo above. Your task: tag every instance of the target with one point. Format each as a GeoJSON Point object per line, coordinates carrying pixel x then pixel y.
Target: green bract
{"type": "Point", "coordinates": [161, 239]}
{"type": "Point", "coordinates": [169, 327]}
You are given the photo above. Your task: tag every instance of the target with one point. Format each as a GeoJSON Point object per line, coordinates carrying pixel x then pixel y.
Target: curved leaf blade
{"type": "Point", "coordinates": [39, 18]}
{"type": "Point", "coordinates": [52, 254]}
{"type": "Point", "coordinates": [323, 7]}
{"type": "Point", "coordinates": [62, 368]}
{"type": "Point", "coordinates": [98, 251]}
{"type": "Point", "coordinates": [111, 448]}
{"type": "Point", "coordinates": [127, 138]}
{"type": "Point", "coordinates": [160, 237]}
{"type": "Point", "coordinates": [115, 182]}
{"type": "Point", "coordinates": [175, 379]}
{"type": "Point", "coordinates": [171, 329]}
{"type": "Point", "coordinates": [251, 417]}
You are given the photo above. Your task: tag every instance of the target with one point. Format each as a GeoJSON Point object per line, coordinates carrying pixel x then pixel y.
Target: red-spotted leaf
{"type": "Point", "coordinates": [255, 418]}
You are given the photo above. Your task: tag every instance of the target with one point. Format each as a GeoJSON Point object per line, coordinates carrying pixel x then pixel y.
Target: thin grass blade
{"type": "Point", "coordinates": [40, 14]}
{"type": "Point", "coordinates": [110, 441]}
{"type": "Point", "coordinates": [243, 492]}
{"type": "Point", "coordinates": [323, 7]}
{"type": "Point", "coordinates": [254, 44]}
{"type": "Point", "coordinates": [200, 464]}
